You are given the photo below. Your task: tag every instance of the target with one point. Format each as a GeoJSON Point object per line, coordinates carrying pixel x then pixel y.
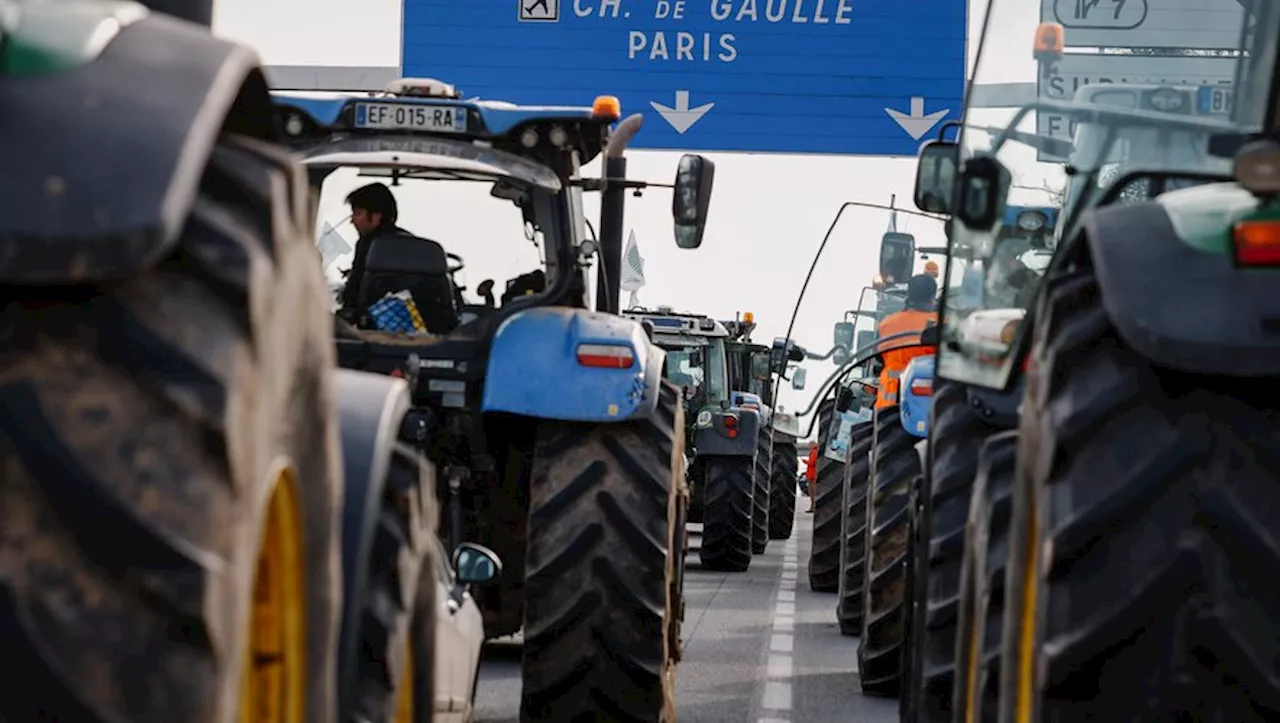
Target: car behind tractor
{"type": "Point", "coordinates": [556, 441]}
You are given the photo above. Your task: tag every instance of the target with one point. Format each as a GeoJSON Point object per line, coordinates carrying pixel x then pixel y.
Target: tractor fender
{"type": "Point", "coordinates": [1181, 306]}
{"type": "Point", "coordinates": [102, 161]}
{"type": "Point", "coordinates": [370, 410]}
{"type": "Point", "coordinates": [915, 407]}
{"type": "Point", "coordinates": [711, 437]}
{"type": "Point", "coordinates": [533, 368]}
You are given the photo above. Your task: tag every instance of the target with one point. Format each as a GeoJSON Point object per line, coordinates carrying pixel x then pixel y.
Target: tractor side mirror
{"type": "Point", "coordinates": [797, 379]}
{"type": "Point", "coordinates": [691, 199]}
{"type": "Point", "coordinates": [864, 339]}
{"type": "Point", "coordinates": [842, 334]}
{"type": "Point", "coordinates": [936, 176]}
{"type": "Point", "coordinates": [474, 564]}
{"type": "Point", "coordinates": [897, 252]}
{"type": "Point", "coordinates": [980, 193]}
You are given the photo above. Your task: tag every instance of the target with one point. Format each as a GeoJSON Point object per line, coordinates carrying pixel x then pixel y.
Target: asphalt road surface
{"type": "Point", "coordinates": [760, 647]}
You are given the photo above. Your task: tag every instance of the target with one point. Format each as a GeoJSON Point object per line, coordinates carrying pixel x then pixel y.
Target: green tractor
{"type": "Point", "coordinates": [777, 465]}
{"type": "Point", "coordinates": [721, 437]}
{"type": "Point", "coordinates": [1116, 540]}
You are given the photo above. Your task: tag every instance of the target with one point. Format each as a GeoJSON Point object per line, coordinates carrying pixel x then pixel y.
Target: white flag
{"type": "Point", "coordinates": [632, 266]}
{"type": "Point", "coordinates": [333, 245]}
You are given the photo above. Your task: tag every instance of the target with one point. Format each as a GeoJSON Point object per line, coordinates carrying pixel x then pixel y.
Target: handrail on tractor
{"type": "Point", "coordinates": [860, 357]}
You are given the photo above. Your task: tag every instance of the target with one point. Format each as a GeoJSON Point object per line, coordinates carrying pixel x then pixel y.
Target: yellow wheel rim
{"type": "Point", "coordinates": [273, 687]}
{"type": "Point", "coordinates": [405, 701]}
{"type": "Point", "coordinates": [1028, 619]}
{"type": "Point", "coordinates": [971, 673]}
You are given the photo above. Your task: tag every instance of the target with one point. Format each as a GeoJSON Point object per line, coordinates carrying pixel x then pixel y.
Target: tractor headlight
{"type": "Point", "coordinates": [704, 418]}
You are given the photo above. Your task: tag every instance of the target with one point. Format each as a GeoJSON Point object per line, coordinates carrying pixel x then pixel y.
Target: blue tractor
{"type": "Point", "coordinates": [557, 442]}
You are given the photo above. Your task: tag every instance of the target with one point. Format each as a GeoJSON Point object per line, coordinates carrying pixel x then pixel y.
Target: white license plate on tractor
{"type": "Point", "coordinates": [411, 117]}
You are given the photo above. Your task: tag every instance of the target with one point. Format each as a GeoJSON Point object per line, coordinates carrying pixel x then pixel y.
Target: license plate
{"type": "Point", "coordinates": [1215, 100]}
{"type": "Point", "coordinates": [411, 117]}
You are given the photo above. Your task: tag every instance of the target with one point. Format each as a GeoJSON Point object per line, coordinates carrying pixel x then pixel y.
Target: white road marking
{"type": "Point", "coordinates": [782, 643]}
{"type": "Point", "coordinates": [784, 608]}
{"type": "Point", "coordinates": [787, 595]}
{"type": "Point", "coordinates": [772, 720]}
{"type": "Point", "coordinates": [780, 666]}
{"type": "Point", "coordinates": [777, 696]}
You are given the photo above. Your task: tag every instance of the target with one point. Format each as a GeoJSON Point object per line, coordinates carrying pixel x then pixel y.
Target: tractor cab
{"type": "Point", "coordinates": [696, 360]}
{"type": "Point", "coordinates": [480, 188]}
{"type": "Point", "coordinates": [1128, 144]}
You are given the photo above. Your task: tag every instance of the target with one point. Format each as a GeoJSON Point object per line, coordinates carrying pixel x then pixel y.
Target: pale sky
{"type": "Point", "coordinates": [768, 212]}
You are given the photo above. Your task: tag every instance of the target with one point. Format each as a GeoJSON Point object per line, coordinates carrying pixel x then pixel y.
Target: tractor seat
{"type": "Point", "coordinates": [400, 262]}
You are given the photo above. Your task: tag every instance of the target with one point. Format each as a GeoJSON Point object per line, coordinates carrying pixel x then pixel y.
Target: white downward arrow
{"type": "Point", "coordinates": [916, 124]}
{"type": "Point", "coordinates": [682, 117]}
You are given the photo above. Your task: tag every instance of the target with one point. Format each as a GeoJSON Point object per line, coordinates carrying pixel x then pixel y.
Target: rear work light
{"type": "Point", "coordinates": [1257, 243]}
{"type": "Point", "coordinates": [606, 356]}
{"type": "Point", "coordinates": [922, 387]}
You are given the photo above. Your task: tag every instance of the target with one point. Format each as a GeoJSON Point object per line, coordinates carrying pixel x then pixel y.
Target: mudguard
{"type": "Point", "coordinates": [370, 410]}
{"type": "Point", "coordinates": [102, 161]}
{"type": "Point", "coordinates": [711, 436]}
{"type": "Point", "coordinates": [533, 368]}
{"type": "Point", "coordinates": [915, 405]}
{"type": "Point", "coordinates": [1177, 298]}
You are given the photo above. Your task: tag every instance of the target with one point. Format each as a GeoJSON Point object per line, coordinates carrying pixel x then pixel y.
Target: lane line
{"type": "Point", "coordinates": [780, 664]}
{"type": "Point", "coordinates": [777, 696]}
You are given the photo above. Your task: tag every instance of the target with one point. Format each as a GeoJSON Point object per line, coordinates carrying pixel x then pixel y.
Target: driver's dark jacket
{"type": "Point", "coordinates": [351, 292]}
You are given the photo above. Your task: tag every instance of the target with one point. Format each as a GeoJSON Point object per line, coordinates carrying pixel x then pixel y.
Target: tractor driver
{"type": "Point", "coordinates": [918, 313]}
{"type": "Point", "coordinates": [374, 214]}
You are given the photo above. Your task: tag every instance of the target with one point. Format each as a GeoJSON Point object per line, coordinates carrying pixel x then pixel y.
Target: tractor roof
{"type": "Point", "coordinates": [425, 107]}
{"type": "Point", "coordinates": [669, 323]}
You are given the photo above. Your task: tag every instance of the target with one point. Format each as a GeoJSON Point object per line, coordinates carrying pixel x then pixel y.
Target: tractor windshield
{"type": "Point", "coordinates": [486, 227]}
{"type": "Point", "coordinates": [700, 369]}
{"type": "Point", "coordinates": [1123, 89]}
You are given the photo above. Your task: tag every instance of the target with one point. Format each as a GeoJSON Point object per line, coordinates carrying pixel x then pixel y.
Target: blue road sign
{"type": "Point", "coordinates": [859, 77]}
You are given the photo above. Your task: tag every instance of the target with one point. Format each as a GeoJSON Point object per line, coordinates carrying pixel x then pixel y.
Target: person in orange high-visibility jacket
{"type": "Point", "coordinates": [811, 474]}
{"type": "Point", "coordinates": [919, 312]}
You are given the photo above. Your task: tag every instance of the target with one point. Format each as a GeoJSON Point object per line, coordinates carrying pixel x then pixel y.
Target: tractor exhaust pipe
{"type": "Point", "coordinates": [199, 12]}
{"type": "Point", "coordinates": [612, 207]}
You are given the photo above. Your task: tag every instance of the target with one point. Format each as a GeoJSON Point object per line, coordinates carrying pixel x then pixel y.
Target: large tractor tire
{"type": "Point", "coordinates": [956, 435]}
{"type": "Point", "coordinates": [824, 555]}
{"type": "Point", "coordinates": [853, 529]}
{"type": "Point", "coordinates": [760, 496]}
{"type": "Point", "coordinates": [388, 548]}
{"type": "Point", "coordinates": [785, 466]}
{"type": "Point", "coordinates": [171, 482]}
{"type": "Point", "coordinates": [912, 600]}
{"type": "Point", "coordinates": [606, 502]}
{"type": "Point", "coordinates": [980, 624]}
{"type": "Point", "coordinates": [1146, 596]}
{"type": "Point", "coordinates": [726, 516]}
{"type": "Point", "coordinates": [895, 464]}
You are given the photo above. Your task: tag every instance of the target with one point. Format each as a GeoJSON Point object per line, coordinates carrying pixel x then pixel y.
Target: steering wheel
{"type": "Point", "coordinates": [454, 257]}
